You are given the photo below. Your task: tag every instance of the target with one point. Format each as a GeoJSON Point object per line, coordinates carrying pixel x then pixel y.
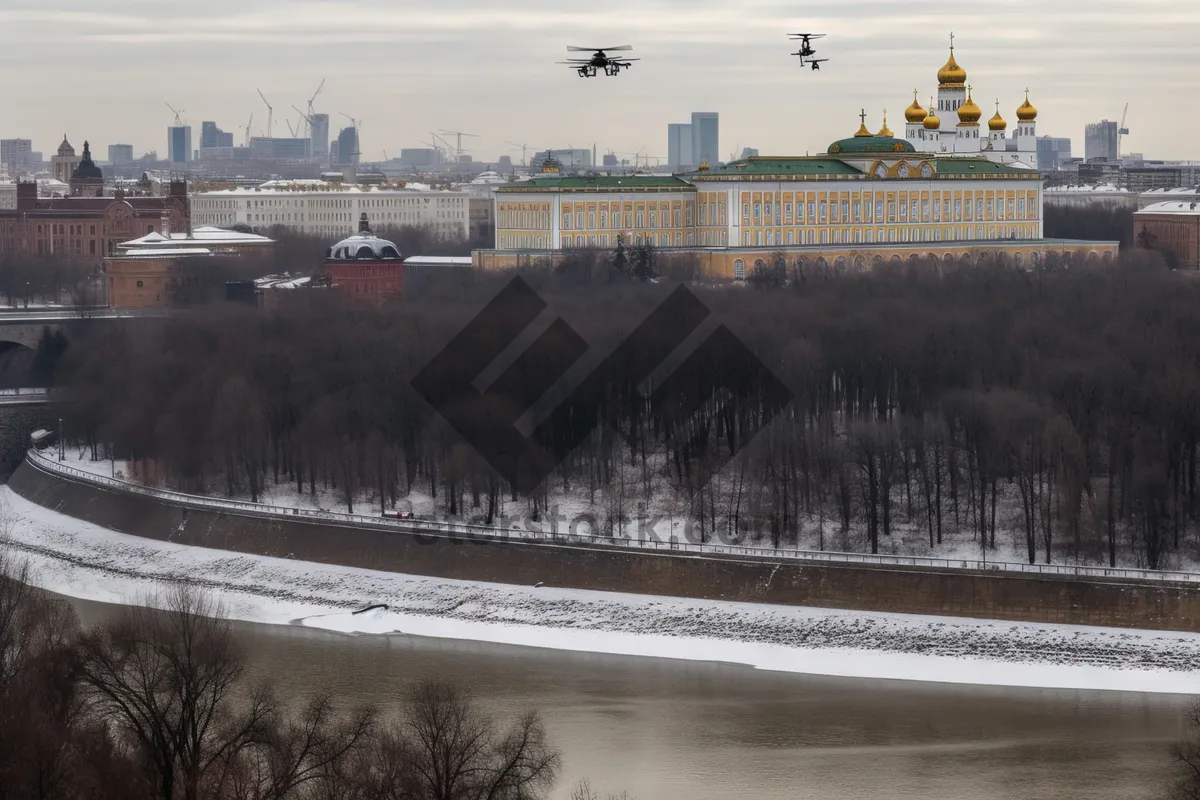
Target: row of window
{"type": "Point", "coordinates": [913, 210]}
{"type": "Point", "coordinates": [204, 203]}
{"type": "Point", "coordinates": [639, 219]}
{"type": "Point", "coordinates": [602, 240]}
{"type": "Point", "coordinates": [772, 238]}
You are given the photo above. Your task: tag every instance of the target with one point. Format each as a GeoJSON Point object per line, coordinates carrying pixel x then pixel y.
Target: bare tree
{"type": "Point", "coordinates": [165, 681]}
{"type": "Point", "coordinates": [313, 756]}
{"type": "Point", "coordinates": [583, 791]}
{"type": "Point", "coordinates": [48, 748]}
{"type": "Point", "coordinates": [457, 753]}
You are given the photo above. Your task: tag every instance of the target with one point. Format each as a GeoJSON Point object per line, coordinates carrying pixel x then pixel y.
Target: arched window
{"type": "Point", "coordinates": [739, 270]}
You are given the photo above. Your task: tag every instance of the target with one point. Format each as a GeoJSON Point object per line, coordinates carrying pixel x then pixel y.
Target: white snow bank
{"type": "Point", "coordinates": [81, 560]}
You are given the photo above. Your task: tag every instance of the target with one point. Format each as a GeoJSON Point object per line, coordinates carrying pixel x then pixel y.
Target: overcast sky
{"type": "Point", "coordinates": [103, 69]}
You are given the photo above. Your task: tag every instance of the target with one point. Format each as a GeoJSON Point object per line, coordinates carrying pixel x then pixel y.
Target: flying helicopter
{"type": "Point", "coordinates": [806, 50]}
{"type": "Point", "coordinates": [816, 63]}
{"type": "Point", "coordinates": [600, 60]}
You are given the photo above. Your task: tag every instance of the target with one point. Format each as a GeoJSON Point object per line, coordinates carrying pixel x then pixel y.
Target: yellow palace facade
{"type": "Point", "coordinates": [870, 199]}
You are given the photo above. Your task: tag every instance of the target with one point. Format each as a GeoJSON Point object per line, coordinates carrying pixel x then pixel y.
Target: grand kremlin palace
{"type": "Point", "coordinates": [944, 191]}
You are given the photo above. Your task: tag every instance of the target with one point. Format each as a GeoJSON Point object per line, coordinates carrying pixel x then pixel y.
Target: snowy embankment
{"type": "Point", "coordinates": [81, 560]}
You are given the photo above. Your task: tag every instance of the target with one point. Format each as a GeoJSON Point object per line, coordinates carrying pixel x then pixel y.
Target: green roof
{"type": "Point", "coordinates": [979, 166]}
{"type": "Point", "coordinates": [781, 166]}
{"type": "Point", "coordinates": [551, 182]}
{"type": "Point", "coordinates": [871, 144]}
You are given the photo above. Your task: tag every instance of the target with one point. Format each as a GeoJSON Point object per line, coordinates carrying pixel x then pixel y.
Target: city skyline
{"type": "Point", "coordinates": [407, 72]}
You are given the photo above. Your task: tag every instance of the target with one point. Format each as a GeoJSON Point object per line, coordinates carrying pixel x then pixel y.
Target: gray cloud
{"type": "Point", "coordinates": [102, 69]}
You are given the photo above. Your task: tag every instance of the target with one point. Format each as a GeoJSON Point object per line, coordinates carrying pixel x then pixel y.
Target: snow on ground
{"type": "Point", "coordinates": [664, 520]}
{"type": "Point", "coordinates": [81, 560]}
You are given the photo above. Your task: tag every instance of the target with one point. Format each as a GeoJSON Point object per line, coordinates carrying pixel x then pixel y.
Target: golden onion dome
{"type": "Point", "coordinates": [997, 122]}
{"type": "Point", "coordinates": [952, 74]}
{"type": "Point", "coordinates": [885, 130]}
{"type": "Point", "coordinates": [932, 123]}
{"type": "Point", "coordinates": [968, 112]}
{"type": "Point", "coordinates": [915, 113]}
{"type": "Point", "coordinates": [862, 131]}
{"type": "Point", "coordinates": [1028, 111]}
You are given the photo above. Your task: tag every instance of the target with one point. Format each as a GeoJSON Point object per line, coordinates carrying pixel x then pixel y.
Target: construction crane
{"type": "Point", "coordinates": [248, 124]}
{"type": "Point", "coordinates": [178, 123]}
{"type": "Point", "coordinates": [458, 151]}
{"type": "Point", "coordinates": [524, 152]}
{"type": "Point", "coordinates": [291, 130]}
{"type": "Point", "coordinates": [270, 111]}
{"type": "Point", "coordinates": [312, 99]}
{"type": "Point", "coordinates": [307, 118]}
{"type": "Point", "coordinates": [1122, 131]}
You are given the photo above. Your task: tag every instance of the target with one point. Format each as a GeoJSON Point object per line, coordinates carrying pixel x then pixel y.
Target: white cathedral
{"type": "Point", "coordinates": [929, 132]}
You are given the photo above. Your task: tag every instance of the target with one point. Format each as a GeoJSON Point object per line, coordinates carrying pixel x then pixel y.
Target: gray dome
{"type": "Point", "coordinates": [364, 247]}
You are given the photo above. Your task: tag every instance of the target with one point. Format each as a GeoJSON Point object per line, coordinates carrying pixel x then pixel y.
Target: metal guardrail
{"type": "Point", "coordinates": [442, 529]}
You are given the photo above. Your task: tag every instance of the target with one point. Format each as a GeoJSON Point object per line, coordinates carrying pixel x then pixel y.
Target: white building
{"type": "Point", "coordinates": [1084, 196]}
{"type": "Point", "coordinates": [326, 211]}
{"type": "Point", "coordinates": [953, 126]}
{"type": "Point", "coordinates": [47, 187]}
{"type": "Point", "coordinates": [1177, 195]}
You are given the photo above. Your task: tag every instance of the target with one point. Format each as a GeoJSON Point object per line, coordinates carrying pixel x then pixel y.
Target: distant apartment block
{"type": "Point", "coordinates": [572, 158]}
{"type": "Point", "coordinates": [120, 154]}
{"type": "Point", "coordinates": [1052, 152]}
{"type": "Point", "coordinates": [17, 157]}
{"type": "Point", "coordinates": [420, 157]}
{"type": "Point", "coordinates": [347, 153]}
{"type": "Point", "coordinates": [179, 144]}
{"type": "Point", "coordinates": [679, 147]}
{"type": "Point", "coordinates": [1101, 140]}
{"type": "Point", "coordinates": [706, 138]}
{"type": "Point", "coordinates": [213, 136]}
{"type": "Point", "coordinates": [319, 133]}
{"type": "Point", "coordinates": [277, 149]}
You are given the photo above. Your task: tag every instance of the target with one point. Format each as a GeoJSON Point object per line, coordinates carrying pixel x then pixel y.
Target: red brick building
{"type": "Point", "coordinates": [1173, 229]}
{"type": "Point", "coordinates": [87, 226]}
{"type": "Point", "coordinates": [363, 265]}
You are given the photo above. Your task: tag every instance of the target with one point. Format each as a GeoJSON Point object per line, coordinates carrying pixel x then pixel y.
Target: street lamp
{"type": "Point", "coordinates": [61, 445]}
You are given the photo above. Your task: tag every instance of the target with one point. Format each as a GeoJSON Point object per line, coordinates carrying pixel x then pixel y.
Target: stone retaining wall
{"type": "Point", "coordinates": [1019, 597]}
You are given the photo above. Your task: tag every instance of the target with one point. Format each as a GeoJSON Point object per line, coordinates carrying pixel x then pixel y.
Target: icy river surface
{"type": "Point", "coordinates": [677, 730]}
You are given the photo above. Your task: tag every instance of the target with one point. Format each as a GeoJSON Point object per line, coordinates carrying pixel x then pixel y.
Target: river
{"type": "Point", "coordinates": [668, 730]}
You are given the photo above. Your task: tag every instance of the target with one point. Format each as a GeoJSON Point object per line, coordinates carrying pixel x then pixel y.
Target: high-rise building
{"type": "Point", "coordinates": [679, 147]}
{"type": "Point", "coordinates": [179, 144]}
{"type": "Point", "coordinates": [749, 152]}
{"type": "Point", "coordinates": [17, 156]}
{"type": "Point", "coordinates": [319, 133]}
{"type": "Point", "coordinates": [1052, 152]}
{"type": "Point", "coordinates": [347, 150]}
{"type": "Point", "coordinates": [706, 138]}
{"type": "Point", "coordinates": [212, 137]}
{"type": "Point", "coordinates": [120, 154]}
{"type": "Point", "coordinates": [1101, 140]}
{"type": "Point", "coordinates": [610, 160]}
